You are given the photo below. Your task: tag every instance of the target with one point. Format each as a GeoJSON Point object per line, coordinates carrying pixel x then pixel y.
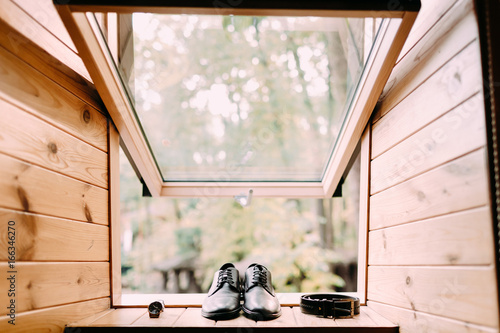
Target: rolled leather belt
{"type": "Point", "coordinates": [330, 305]}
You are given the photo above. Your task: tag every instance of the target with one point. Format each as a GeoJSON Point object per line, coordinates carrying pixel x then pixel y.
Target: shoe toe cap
{"type": "Point", "coordinates": [220, 303]}
{"type": "Point", "coordinates": [261, 302]}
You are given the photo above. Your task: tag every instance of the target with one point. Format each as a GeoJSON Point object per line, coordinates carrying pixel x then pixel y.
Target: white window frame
{"type": "Point", "coordinates": [194, 300]}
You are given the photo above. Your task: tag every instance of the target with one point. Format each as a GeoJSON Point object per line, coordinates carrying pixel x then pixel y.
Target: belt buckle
{"type": "Point", "coordinates": [351, 315]}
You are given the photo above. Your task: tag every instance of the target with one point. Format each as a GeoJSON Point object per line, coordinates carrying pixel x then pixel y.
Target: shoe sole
{"type": "Point", "coordinates": [221, 315]}
{"type": "Point", "coordinates": [258, 316]}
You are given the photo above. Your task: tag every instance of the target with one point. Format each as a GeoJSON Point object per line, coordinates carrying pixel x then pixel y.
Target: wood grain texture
{"type": "Point", "coordinates": [192, 318]}
{"type": "Point", "coordinates": [463, 238]}
{"type": "Point", "coordinates": [32, 189]}
{"type": "Point", "coordinates": [240, 321]}
{"type": "Point", "coordinates": [53, 319]}
{"type": "Point", "coordinates": [410, 321]}
{"type": "Point", "coordinates": [42, 144]}
{"type": "Point", "coordinates": [25, 87]}
{"type": "Point", "coordinates": [430, 13]}
{"type": "Point", "coordinates": [458, 132]}
{"type": "Point", "coordinates": [366, 318]}
{"type": "Point", "coordinates": [114, 213]}
{"type": "Point", "coordinates": [44, 238]}
{"type": "Point", "coordinates": [25, 24]}
{"type": "Point", "coordinates": [463, 293]}
{"type": "Point", "coordinates": [458, 185]}
{"type": "Point", "coordinates": [431, 241]}
{"type": "Point", "coordinates": [44, 12]}
{"type": "Point", "coordinates": [286, 319]}
{"type": "Point", "coordinates": [307, 320]}
{"type": "Point", "coordinates": [106, 80]}
{"type": "Point", "coordinates": [122, 317]}
{"type": "Point", "coordinates": [41, 285]}
{"type": "Point", "coordinates": [452, 33]}
{"type": "Point", "coordinates": [166, 319]}
{"type": "Point", "coordinates": [189, 317]}
{"type": "Point", "coordinates": [32, 54]}
{"type": "Point", "coordinates": [88, 320]}
{"type": "Point", "coordinates": [451, 85]}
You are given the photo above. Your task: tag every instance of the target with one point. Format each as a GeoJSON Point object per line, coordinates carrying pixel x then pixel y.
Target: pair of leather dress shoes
{"type": "Point", "coordinates": [259, 300]}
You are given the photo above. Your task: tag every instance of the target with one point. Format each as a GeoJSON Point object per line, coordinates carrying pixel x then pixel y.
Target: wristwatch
{"type": "Point", "coordinates": [155, 308]}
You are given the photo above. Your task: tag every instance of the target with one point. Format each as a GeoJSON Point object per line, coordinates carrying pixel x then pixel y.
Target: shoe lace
{"type": "Point", "coordinates": [259, 277]}
{"type": "Point", "coordinates": [225, 276]}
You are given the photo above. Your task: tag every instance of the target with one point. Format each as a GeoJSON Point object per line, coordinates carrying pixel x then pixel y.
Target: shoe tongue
{"type": "Point", "coordinates": [257, 266]}
{"type": "Point", "coordinates": [258, 282]}
{"type": "Point", "coordinates": [226, 266]}
{"type": "Point", "coordinates": [223, 278]}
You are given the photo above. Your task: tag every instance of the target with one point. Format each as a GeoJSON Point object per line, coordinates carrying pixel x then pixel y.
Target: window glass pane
{"type": "Point", "coordinates": [239, 98]}
{"type": "Point", "coordinates": [176, 245]}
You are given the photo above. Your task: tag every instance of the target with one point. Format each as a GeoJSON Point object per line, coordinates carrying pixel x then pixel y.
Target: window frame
{"type": "Point", "coordinates": [97, 57]}
{"type": "Point", "coordinates": [194, 300]}
{"type": "Point", "coordinates": [96, 53]}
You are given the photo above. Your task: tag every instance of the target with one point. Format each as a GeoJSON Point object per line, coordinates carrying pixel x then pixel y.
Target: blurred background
{"type": "Point", "coordinates": [176, 245]}
{"type": "Point", "coordinates": [244, 98]}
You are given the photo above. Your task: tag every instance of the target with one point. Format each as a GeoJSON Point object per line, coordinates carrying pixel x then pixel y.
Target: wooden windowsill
{"type": "Point", "coordinates": [185, 319]}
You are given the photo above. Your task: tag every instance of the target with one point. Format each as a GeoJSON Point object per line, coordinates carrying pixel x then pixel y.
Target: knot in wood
{"type": "Point", "coordinates": [52, 147]}
{"type": "Point", "coordinates": [86, 116]}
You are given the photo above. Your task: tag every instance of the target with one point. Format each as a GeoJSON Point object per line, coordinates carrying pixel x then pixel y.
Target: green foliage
{"type": "Point", "coordinates": [232, 96]}
{"type": "Point", "coordinates": [240, 97]}
{"type": "Point", "coordinates": [282, 234]}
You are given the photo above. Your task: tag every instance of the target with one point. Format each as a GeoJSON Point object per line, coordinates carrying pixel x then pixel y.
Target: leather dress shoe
{"type": "Point", "coordinates": [261, 302]}
{"type": "Point", "coordinates": [223, 299]}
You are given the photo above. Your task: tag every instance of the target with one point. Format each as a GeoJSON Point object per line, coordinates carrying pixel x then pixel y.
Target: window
{"type": "Point", "coordinates": [310, 72]}
{"type": "Point", "coordinates": [171, 245]}
{"type": "Point", "coordinates": [223, 99]}
{"type": "Point", "coordinates": [243, 98]}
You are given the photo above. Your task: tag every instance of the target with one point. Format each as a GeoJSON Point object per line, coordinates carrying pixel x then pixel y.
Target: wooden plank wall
{"type": "Point", "coordinates": [54, 167]}
{"type": "Point", "coordinates": [431, 252]}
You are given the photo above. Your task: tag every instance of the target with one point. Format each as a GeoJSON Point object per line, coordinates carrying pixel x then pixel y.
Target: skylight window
{"type": "Point", "coordinates": [244, 98]}
{"type": "Point", "coordinates": [214, 101]}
